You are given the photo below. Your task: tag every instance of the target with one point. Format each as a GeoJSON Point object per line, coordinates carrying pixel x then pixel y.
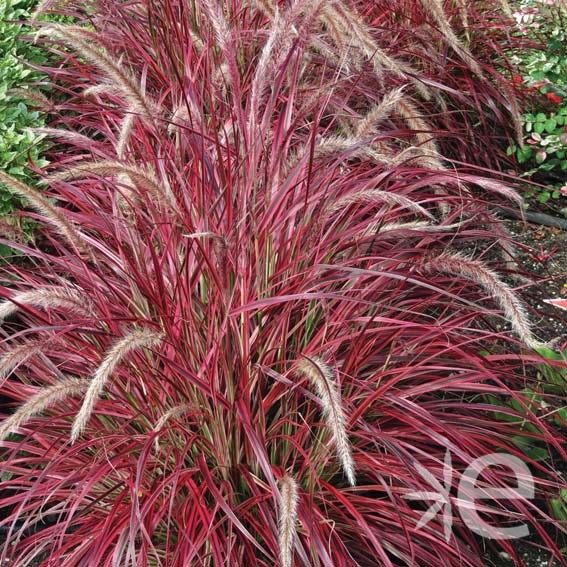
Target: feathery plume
{"type": "Point", "coordinates": [463, 14]}
{"type": "Point", "coordinates": [44, 398]}
{"type": "Point", "coordinates": [358, 35]}
{"type": "Point", "coordinates": [125, 132]}
{"type": "Point", "coordinates": [171, 413]}
{"type": "Point", "coordinates": [67, 135]}
{"type": "Point", "coordinates": [354, 147]}
{"type": "Point", "coordinates": [138, 338]}
{"type": "Point", "coordinates": [325, 381]}
{"type": "Point", "coordinates": [34, 95]}
{"type": "Point", "coordinates": [429, 152]}
{"type": "Point", "coordinates": [298, 17]}
{"type": "Point", "coordinates": [139, 176]}
{"type": "Point", "coordinates": [288, 519]}
{"type": "Point", "coordinates": [48, 298]}
{"type": "Point", "coordinates": [17, 355]}
{"type": "Point", "coordinates": [381, 111]}
{"type": "Point", "coordinates": [187, 112]}
{"type": "Point", "coordinates": [279, 38]}
{"type": "Point", "coordinates": [96, 90]}
{"type": "Point", "coordinates": [418, 226]}
{"type": "Point", "coordinates": [436, 10]}
{"type": "Point", "coordinates": [52, 213]}
{"type": "Point", "coordinates": [474, 270]}
{"type": "Point", "coordinates": [373, 195]}
{"type": "Point", "coordinates": [224, 38]}
{"type": "Point", "coordinates": [85, 42]}
{"type": "Point", "coordinates": [197, 41]}
{"type": "Point", "coordinates": [265, 6]}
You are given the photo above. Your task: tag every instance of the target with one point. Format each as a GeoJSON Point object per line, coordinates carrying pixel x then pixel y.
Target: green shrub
{"type": "Point", "coordinates": [18, 146]}
{"type": "Point", "coordinates": [544, 153]}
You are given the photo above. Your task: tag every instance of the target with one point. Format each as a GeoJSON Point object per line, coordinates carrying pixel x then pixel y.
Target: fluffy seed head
{"type": "Point", "coordinates": [48, 298]}
{"type": "Point", "coordinates": [53, 214]}
{"type": "Point", "coordinates": [288, 519]}
{"type": "Point", "coordinates": [475, 271]}
{"type": "Point", "coordinates": [85, 42]}
{"type": "Point", "coordinates": [171, 413]}
{"type": "Point", "coordinates": [136, 174]}
{"type": "Point", "coordinates": [377, 195]}
{"type": "Point", "coordinates": [18, 355]}
{"type": "Point", "coordinates": [136, 339]}
{"type": "Point", "coordinates": [325, 381]}
{"type": "Point", "coordinates": [39, 402]}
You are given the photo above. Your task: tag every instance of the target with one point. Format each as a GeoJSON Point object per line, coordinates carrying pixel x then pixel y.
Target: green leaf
{"type": "Point", "coordinates": [524, 154]}
{"type": "Point", "coordinates": [529, 449]}
{"type": "Point", "coordinates": [548, 353]}
{"type": "Point", "coordinates": [561, 417]}
{"type": "Point", "coordinates": [550, 125]}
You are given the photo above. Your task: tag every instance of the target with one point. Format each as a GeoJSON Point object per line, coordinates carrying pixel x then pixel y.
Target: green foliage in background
{"type": "Point", "coordinates": [18, 146]}
{"type": "Point", "coordinates": [544, 153]}
{"type": "Point", "coordinates": [551, 384]}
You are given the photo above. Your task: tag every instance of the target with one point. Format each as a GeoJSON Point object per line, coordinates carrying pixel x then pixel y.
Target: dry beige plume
{"type": "Point", "coordinates": [288, 519]}
{"type": "Point", "coordinates": [187, 112]}
{"type": "Point", "coordinates": [325, 381]}
{"type": "Point", "coordinates": [171, 413]}
{"type": "Point", "coordinates": [504, 4]}
{"type": "Point", "coordinates": [266, 6]}
{"type": "Point", "coordinates": [52, 213]}
{"type": "Point", "coordinates": [353, 148]}
{"type": "Point", "coordinates": [85, 42]}
{"type": "Point", "coordinates": [138, 338]}
{"type": "Point", "coordinates": [369, 196]}
{"type": "Point", "coordinates": [96, 90]}
{"type": "Point", "coordinates": [357, 35]}
{"type": "Point", "coordinates": [280, 36]}
{"type": "Point", "coordinates": [381, 111]}
{"type": "Point", "coordinates": [17, 355]}
{"type": "Point", "coordinates": [436, 9]}
{"type": "Point", "coordinates": [223, 36]}
{"type": "Point", "coordinates": [35, 96]}
{"type": "Point", "coordinates": [350, 35]}
{"type": "Point", "coordinates": [68, 135]}
{"type": "Point", "coordinates": [39, 402]}
{"type": "Point", "coordinates": [463, 14]}
{"type": "Point", "coordinates": [277, 46]}
{"type": "Point", "coordinates": [474, 270]}
{"type": "Point", "coordinates": [430, 153]}
{"type": "Point", "coordinates": [136, 174]}
{"type": "Point", "coordinates": [49, 298]}
{"type": "Point", "coordinates": [125, 131]}
{"type": "Point", "coordinates": [418, 226]}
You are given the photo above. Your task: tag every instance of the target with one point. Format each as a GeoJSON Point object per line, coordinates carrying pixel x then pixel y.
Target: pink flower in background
{"type": "Point", "coordinates": [563, 190]}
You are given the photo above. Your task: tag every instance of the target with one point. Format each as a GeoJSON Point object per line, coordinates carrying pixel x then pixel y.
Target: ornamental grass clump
{"type": "Point", "coordinates": [253, 317]}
